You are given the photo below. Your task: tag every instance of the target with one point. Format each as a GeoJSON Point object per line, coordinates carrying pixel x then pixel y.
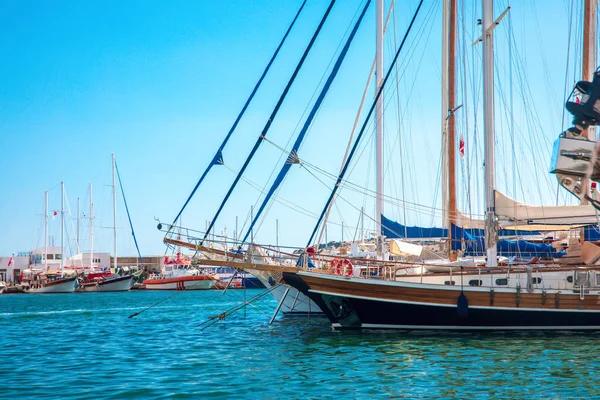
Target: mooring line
{"type": "Point", "coordinates": [213, 319]}
{"type": "Point", "coordinates": [165, 299]}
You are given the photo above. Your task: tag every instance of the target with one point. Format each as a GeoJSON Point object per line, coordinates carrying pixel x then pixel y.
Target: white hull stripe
{"type": "Point", "coordinates": [440, 286]}
{"type": "Point", "coordinates": [475, 328]}
{"type": "Point", "coordinates": [453, 305]}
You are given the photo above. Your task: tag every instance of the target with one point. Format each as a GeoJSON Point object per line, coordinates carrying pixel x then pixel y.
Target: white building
{"type": "Point", "coordinates": [101, 260]}
{"type": "Point", "coordinates": [11, 273]}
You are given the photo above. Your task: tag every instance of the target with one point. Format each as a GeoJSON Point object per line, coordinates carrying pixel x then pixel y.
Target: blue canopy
{"type": "Point", "coordinates": [473, 239]}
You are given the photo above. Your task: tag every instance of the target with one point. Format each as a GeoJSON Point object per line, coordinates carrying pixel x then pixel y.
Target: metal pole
{"type": "Point", "coordinates": [114, 199]}
{"type": "Point", "coordinates": [362, 221]}
{"type": "Point", "coordinates": [91, 228]}
{"type": "Point", "coordinates": [277, 240]}
{"type": "Point", "coordinates": [236, 229]}
{"type": "Point", "coordinates": [62, 224]}
{"type": "Point", "coordinates": [252, 219]}
{"type": "Point", "coordinates": [46, 229]}
{"type": "Point", "coordinates": [588, 64]}
{"type": "Point", "coordinates": [491, 232]}
{"type": "Point", "coordinates": [379, 123]}
{"type": "Point", "coordinates": [445, 108]}
{"type": "Point", "coordinates": [279, 305]}
{"type": "Point", "coordinates": [78, 215]}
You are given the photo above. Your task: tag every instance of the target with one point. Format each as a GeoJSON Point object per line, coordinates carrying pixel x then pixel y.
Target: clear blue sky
{"type": "Point", "coordinates": [160, 83]}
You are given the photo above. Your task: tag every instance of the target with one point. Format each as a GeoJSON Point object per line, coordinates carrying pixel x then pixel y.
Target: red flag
{"type": "Point", "coordinates": [11, 261]}
{"type": "Point", "coordinates": [461, 147]}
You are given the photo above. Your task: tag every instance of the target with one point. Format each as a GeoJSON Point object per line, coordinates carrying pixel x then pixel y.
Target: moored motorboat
{"type": "Point", "coordinates": [179, 274]}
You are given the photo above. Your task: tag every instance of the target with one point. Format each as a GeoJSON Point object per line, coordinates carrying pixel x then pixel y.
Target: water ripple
{"type": "Point", "coordinates": [85, 346]}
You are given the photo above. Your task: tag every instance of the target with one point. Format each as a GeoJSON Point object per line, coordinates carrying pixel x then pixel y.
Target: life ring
{"type": "Point", "coordinates": [342, 266]}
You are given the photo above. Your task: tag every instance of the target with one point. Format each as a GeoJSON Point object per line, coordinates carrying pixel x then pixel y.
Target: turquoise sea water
{"type": "Point", "coordinates": [85, 346]}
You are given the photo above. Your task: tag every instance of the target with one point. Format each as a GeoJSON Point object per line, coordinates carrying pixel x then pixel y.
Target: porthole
{"type": "Point", "coordinates": [475, 282]}
{"type": "Point", "coordinates": [570, 278]}
{"type": "Point", "coordinates": [502, 281]}
{"type": "Point", "coordinates": [537, 280]}
{"type": "Point", "coordinates": [449, 283]}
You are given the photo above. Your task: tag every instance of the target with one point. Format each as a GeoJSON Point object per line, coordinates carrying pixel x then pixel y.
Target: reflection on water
{"type": "Point", "coordinates": [85, 346]}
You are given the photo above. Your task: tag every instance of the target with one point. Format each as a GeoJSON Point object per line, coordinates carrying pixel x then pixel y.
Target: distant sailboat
{"type": "Point", "coordinates": [99, 281]}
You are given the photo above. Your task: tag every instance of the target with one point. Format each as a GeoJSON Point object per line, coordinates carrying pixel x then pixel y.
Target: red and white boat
{"type": "Point", "coordinates": [179, 274]}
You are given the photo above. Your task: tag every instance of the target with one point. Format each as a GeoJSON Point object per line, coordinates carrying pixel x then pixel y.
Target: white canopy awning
{"type": "Point", "coordinates": [521, 216]}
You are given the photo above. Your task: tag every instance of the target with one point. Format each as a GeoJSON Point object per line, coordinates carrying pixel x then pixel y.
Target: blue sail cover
{"type": "Point", "coordinates": [472, 239]}
{"type": "Point", "coordinates": [395, 230]}
{"type": "Point", "coordinates": [475, 246]}
{"type": "Point", "coordinates": [591, 233]}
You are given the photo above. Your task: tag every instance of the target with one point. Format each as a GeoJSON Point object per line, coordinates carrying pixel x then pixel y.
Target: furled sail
{"type": "Point", "coordinates": [475, 246]}
{"type": "Point", "coordinates": [543, 218]}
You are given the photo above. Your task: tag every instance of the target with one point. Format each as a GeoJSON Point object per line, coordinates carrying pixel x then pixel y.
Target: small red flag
{"type": "Point", "coordinates": [461, 147]}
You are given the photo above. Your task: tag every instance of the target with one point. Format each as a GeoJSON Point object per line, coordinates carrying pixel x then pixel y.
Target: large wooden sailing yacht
{"type": "Point", "coordinates": [378, 293]}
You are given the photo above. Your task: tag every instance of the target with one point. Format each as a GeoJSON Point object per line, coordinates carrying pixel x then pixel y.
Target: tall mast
{"type": "Point", "coordinates": [445, 108]}
{"type": "Point", "coordinates": [448, 121]}
{"type": "Point", "coordinates": [62, 223]}
{"type": "Point", "coordinates": [588, 62]}
{"type": "Point", "coordinates": [491, 233]}
{"type": "Point", "coordinates": [46, 229]}
{"type": "Point", "coordinates": [379, 123]}
{"type": "Point", "coordinates": [114, 199]}
{"type": "Point", "coordinates": [78, 215]}
{"type": "Point", "coordinates": [91, 228]}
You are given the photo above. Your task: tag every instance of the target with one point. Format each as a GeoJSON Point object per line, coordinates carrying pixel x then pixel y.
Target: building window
{"type": "Point", "coordinates": [3, 276]}
{"type": "Point", "coordinates": [57, 256]}
{"type": "Point", "coordinates": [502, 281]}
{"type": "Point", "coordinates": [475, 282]}
{"type": "Point", "coordinates": [449, 283]}
{"type": "Point", "coordinates": [50, 256]}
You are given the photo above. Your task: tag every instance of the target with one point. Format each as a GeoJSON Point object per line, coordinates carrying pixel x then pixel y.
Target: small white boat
{"type": "Point", "coordinates": [179, 274]}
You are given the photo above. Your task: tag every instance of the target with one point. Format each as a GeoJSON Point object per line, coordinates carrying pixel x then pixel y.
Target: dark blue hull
{"type": "Point", "coordinates": [353, 312]}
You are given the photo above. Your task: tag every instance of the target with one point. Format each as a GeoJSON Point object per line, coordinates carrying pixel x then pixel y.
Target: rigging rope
{"type": "Point", "coordinates": [218, 158]}
{"type": "Point", "coordinates": [128, 214]}
{"type": "Point", "coordinates": [265, 130]}
{"type": "Point", "coordinates": [379, 91]}
{"type": "Point", "coordinates": [293, 156]}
